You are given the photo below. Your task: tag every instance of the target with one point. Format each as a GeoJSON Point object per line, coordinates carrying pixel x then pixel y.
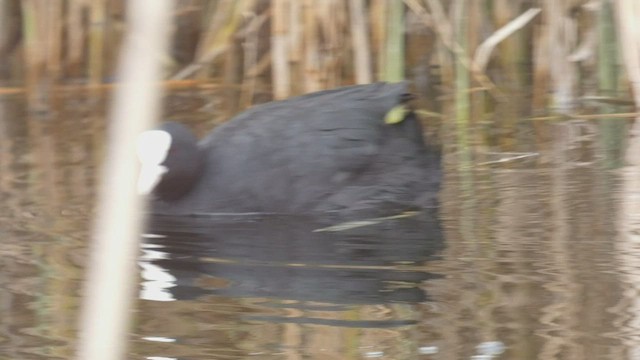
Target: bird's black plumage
{"type": "Point", "coordinates": [329, 150]}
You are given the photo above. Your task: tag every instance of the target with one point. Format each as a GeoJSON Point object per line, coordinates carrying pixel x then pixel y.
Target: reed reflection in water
{"type": "Point", "coordinates": [531, 257]}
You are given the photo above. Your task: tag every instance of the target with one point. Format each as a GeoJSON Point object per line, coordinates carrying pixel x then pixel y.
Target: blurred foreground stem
{"type": "Point", "coordinates": [109, 288]}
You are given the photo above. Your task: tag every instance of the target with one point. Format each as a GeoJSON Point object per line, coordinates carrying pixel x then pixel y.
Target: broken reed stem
{"type": "Point", "coordinates": [218, 36]}
{"type": "Point", "coordinates": [217, 12]}
{"type": "Point", "coordinates": [484, 50]}
{"type": "Point", "coordinates": [443, 27]}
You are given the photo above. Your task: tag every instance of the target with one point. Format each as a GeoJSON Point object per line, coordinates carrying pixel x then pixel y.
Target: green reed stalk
{"type": "Point", "coordinates": [281, 80]}
{"type": "Point", "coordinates": [394, 42]}
{"type": "Point", "coordinates": [612, 131]}
{"type": "Point", "coordinates": [97, 23]}
{"type": "Point", "coordinates": [377, 21]}
{"type": "Point", "coordinates": [462, 86]}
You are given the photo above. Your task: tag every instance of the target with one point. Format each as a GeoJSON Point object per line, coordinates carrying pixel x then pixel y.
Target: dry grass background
{"type": "Point", "coordinates": [548, 60]}
{"type": "Point", "coordinates": [287, 47]}
{"type": "Point", "coordinates": [543, 59]}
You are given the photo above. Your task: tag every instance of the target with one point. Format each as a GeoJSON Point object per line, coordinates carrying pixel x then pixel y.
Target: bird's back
{"type": "Point", "coordinates": [324, 150]}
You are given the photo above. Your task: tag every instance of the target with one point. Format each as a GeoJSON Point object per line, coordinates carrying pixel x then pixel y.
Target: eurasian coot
{"type": "Point", "coordinates": [350, 148]}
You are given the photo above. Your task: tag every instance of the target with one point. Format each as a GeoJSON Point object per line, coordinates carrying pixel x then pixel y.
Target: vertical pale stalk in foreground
{"type": "Point", "coordinates": [630, 43]}
{"type": "Point", "coordinates": [627, 244]}
{"type": "Point", "coordinates": [111, 267]}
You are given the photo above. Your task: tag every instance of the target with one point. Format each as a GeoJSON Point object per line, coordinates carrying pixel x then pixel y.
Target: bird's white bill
{"type": "Point", "coordinates": [152, 150]}
{"type": "Point", "coordinates": [150, 176]}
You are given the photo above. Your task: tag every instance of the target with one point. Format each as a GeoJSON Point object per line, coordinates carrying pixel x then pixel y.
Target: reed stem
{"type": "Point", "coordinates": [394, 49]}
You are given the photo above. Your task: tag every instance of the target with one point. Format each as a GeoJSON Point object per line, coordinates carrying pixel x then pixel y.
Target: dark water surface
{"type": "Point", "coordinates": [525, 260]}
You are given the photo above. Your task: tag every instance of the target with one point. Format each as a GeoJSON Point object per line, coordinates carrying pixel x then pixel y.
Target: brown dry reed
{"type": "Point", "coordinates": [465, 58]}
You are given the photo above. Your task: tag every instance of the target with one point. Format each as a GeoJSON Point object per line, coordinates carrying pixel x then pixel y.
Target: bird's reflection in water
{"type": "Point", "coordinates": [299, 262]}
